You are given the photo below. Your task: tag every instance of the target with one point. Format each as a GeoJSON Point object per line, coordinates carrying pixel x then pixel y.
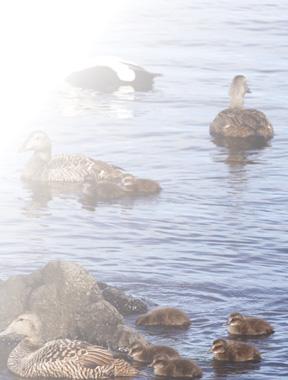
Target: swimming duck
{"type": "Point", "coordinates": [109, 73]}
{"type": "Point", "coordinates": [145, 354]}
{"type": "Point", "coordinates": [166, 367]}
{"type": "Point", "coordinates": [237, 122]}
{"type": "Point", "coordinates": [67, 168]}
{"type": "Point", "coordinates": [62, 358]}
{"type": "Point", "coordinates": [234, 351]}
{"type": "Point", "coordinates": [164, 316]}
{"type": "Point", "coordinates": [239, 324]}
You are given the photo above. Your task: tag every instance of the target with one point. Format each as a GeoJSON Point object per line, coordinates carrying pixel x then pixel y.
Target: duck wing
{"type": "Point", "coordinates": [74, 168]}
{"type": "Point", "coordinates": [72, 351]}
{"type": "Point", "coordinates": [241, 123]}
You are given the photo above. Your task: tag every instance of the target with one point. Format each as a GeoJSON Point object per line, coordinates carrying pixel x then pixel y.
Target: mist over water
{"type": "Point", "coordinates": [215, 240]}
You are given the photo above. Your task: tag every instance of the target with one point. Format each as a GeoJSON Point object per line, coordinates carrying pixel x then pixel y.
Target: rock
{"type": "Point", "coordinates": [126, 305]}
{"type": "Point", "coordinates": [69, 303]}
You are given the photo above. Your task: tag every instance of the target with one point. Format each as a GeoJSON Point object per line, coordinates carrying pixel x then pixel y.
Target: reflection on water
{"type": "Point", "coordinates": [215, 240]}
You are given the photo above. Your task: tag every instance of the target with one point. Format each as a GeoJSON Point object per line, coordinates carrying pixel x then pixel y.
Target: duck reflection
{"type": "Point", "coordinates": [223, 370]}
{"type": "Point", "coordinates": [40, 195]}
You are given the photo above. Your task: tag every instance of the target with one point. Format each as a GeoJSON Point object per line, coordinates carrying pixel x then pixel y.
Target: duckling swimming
{"type": "Point", "coordinates": [166, 367]}
{"type": "Point", "coordinates": [164, 316]}
{"type": "Point", "coordinates": [109, 73]}
{"type": "Point", "coordinates": [237, 122]}
{"type": "Point", "coordinates": [146, 354]}
{"type": "Point", "coordinates": [66, 168]}
{"type": "Point", "coordinates": [239, 324]}
{"type": "Point", "coordinates": [61, 358]}
{"type": "Point", "coordinates": [234, 351]}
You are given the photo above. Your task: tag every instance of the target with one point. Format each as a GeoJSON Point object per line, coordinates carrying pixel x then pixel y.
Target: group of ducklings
{"type": "Point", "coordinates": [167, 362]}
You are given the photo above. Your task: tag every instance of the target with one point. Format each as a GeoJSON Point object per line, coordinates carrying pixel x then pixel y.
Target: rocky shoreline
{"type": "Point", "coordinates": [72, 304]}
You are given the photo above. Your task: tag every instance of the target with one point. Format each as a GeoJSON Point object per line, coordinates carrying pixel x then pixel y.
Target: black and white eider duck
{"type": "Point", "coordinates": [76, 168]}
{"type": "Point", "coordinates": [109, 73]}
{"type": "Point", "coordinates": [236, 122]}
{"type": "Point", "coordinates": [60, 358]}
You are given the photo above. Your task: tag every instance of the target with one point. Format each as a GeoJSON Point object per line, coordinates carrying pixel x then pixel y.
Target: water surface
{"type": "Point", "coordinates": [215, 239]}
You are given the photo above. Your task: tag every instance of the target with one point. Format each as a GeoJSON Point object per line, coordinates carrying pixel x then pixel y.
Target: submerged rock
{"type": "Point", "coordinates": [69, 303]}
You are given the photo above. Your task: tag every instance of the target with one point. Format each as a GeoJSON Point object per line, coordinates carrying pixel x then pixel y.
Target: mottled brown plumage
{"type": "Point", "coordinates": [146, 353]}
{"type": "Point", "coordinates": [61, 358]}
{"type": "Point", "coordinates": [237, 122]}
{"type": "Point", "coordinates": [166, 367]}
{"type": "Point", "coordinates": [95, 175]}
{"type": "Point", "coordinates": [239, 324]}
{"type": "Point", "coordinates": [164, 316]}
{"type": "Point", "coordinates": [234, 351]}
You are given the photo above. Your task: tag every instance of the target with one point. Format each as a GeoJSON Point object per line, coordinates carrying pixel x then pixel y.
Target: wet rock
{"type": "Point", "coordinates": [69, 302]}
{"type": "Point", "coordinates": [125, 304]}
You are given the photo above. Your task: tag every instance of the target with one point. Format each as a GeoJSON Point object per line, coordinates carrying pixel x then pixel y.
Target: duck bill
{"type": "Point", "coordinates": [6, 332]}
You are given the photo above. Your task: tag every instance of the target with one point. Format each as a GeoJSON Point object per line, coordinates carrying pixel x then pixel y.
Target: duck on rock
{"type": "Point", "coordinates": [61, 358]}
{"type": "Point", "coordinates": [236, 122]}
{"type": "Point", "coordinates": [76, 168]}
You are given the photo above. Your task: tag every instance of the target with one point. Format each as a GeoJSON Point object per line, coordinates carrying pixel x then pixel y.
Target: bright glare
{"type": "Point", "coordinates": [42, 41]}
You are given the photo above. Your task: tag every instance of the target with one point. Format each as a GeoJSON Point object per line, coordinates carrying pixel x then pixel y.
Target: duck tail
{"type": "Point", "coordinates": [122, 368]}
{"type": "Point", "coordinates": [147, 186]}
{"type": "Point", "coordinates": [155, 75]}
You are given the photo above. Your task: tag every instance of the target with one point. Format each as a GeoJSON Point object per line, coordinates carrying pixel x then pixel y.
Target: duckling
{"type": "Point", "coordinates": [237, 122]}
{"type": "Point", "coordinates": [146, 354]}
{"type": "Point", "coordinates": [239, 324]}
{"type": "Point", "coordinates": [66, 168]}
{"type": "Point", "coordinates": [234, 351]}
{"type": "Point", "coordinates": [109, 73]}
{"type": "Point", "coordinates": [62, 358]}
{"type": "Point", "coordinates": [164, 316]}
{"type": "Point", "coordinates": [166, 367]}
{"type": "Point", "coordinates": [115, 188]}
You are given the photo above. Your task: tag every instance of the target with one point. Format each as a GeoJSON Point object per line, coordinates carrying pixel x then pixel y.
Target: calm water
{"type": "Point", "coordinates": [215, 240]}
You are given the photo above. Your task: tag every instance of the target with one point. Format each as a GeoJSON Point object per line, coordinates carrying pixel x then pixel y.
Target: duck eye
{"type": "Point", "coordinates": [20, 319]}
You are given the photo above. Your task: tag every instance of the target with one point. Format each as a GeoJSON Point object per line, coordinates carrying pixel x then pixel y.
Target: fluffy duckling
{"type": "Point", "coordinates": [166, 367]}
{"type": "Point", "coordinates": [109, 73]}
{"type": "Point", "coordinates": [66, 168]}
{"type": "Point", "coordinates": [237, 122]}
{"type": "Point", "coordinates": [146, 354]}
{"type": "Point", "coordinates": [239, 324]}
{"type": "Point", "coordinates": [60, 358]}
{"type": "Point", "coordinates": [164, 316]}
{"type": "Point", "coordinates": [234, 351]}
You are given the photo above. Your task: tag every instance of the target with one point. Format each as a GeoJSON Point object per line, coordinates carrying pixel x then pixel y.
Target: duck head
{"type": "Point", "coordinates": [159, 362]}
{"type": "Point", "coordinates": [26, 325]}
{"type": "Point", "coordinates": [238, 89]}
{"type": "Point", "coordinates": [37, 141]}
{"type": "Point", "coordinates": [235, 319]}
{"type": "Point", "coordinates": [219, 346]}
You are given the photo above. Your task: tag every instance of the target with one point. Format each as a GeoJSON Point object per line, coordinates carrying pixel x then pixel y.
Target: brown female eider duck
{"type": "Point", "coordinates": [164, 316]}
{"type": "Point", "coordinates": [166, 367]}
{"type": "Point", "coordinates": [236, 122]}
{"type": "Point", "coordinates": [239, 324]}
{"type": "Point", "coordinates": [60, 358]}
{"type": "Point", "coordinates": [67, 168]}
{"type": "Point", "coordinates": [234, 351]}
{"type": "Point", "coordinates": [146, 353]}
